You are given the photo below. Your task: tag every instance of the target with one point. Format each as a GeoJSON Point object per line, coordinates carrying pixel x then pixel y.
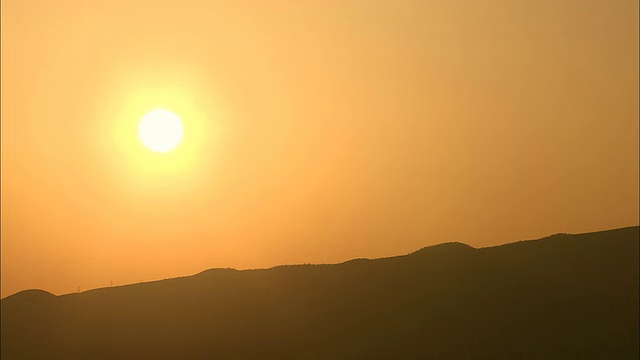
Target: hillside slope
{"type": "Point", "coordinates": [561, 297]}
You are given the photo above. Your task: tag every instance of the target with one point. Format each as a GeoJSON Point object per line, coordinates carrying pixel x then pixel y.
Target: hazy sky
{"type": "Point", "coordinates": [315, 131]}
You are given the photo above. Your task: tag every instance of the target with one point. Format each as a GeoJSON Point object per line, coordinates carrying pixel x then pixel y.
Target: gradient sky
{"type": "Point", "coordinates": [315, 131]}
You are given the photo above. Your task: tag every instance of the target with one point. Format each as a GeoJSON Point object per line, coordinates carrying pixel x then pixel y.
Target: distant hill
{"type": "Point", "coordinates": [561, 297]}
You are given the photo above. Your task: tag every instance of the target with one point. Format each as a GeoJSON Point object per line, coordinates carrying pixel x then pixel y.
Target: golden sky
{"type": "Point", "coordinates": [315, 131]}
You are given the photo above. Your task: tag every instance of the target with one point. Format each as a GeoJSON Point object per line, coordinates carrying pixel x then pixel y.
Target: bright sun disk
{"type": "Point", "coordinates": [160, 130]}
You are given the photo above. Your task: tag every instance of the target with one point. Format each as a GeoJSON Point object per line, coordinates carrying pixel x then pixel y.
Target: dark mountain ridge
{"type": "Point", "coordinates": [564, 296]}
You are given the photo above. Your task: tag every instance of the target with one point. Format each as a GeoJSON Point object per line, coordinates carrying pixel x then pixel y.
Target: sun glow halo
{"type": "Point", "coordinates": [160, 130]}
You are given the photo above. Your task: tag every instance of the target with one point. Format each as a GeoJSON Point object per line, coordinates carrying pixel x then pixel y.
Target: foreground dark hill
{"type": "Point", "coordinates": [561, 297]}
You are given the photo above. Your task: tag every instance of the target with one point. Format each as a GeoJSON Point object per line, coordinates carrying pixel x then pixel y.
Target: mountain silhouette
{"type": "Point", "coordinates": [560, 297]}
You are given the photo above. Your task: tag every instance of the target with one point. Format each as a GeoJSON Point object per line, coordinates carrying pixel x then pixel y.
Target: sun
{"type": "Point", "coordinates": [160, 130]}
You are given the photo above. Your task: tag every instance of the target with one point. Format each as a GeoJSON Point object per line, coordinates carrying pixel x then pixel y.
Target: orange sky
{"type": "Point", "coordinates": [315, 131]}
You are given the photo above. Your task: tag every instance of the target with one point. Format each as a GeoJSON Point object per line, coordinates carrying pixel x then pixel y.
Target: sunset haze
{"type": "Point", "coordinates": [314, 132]}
